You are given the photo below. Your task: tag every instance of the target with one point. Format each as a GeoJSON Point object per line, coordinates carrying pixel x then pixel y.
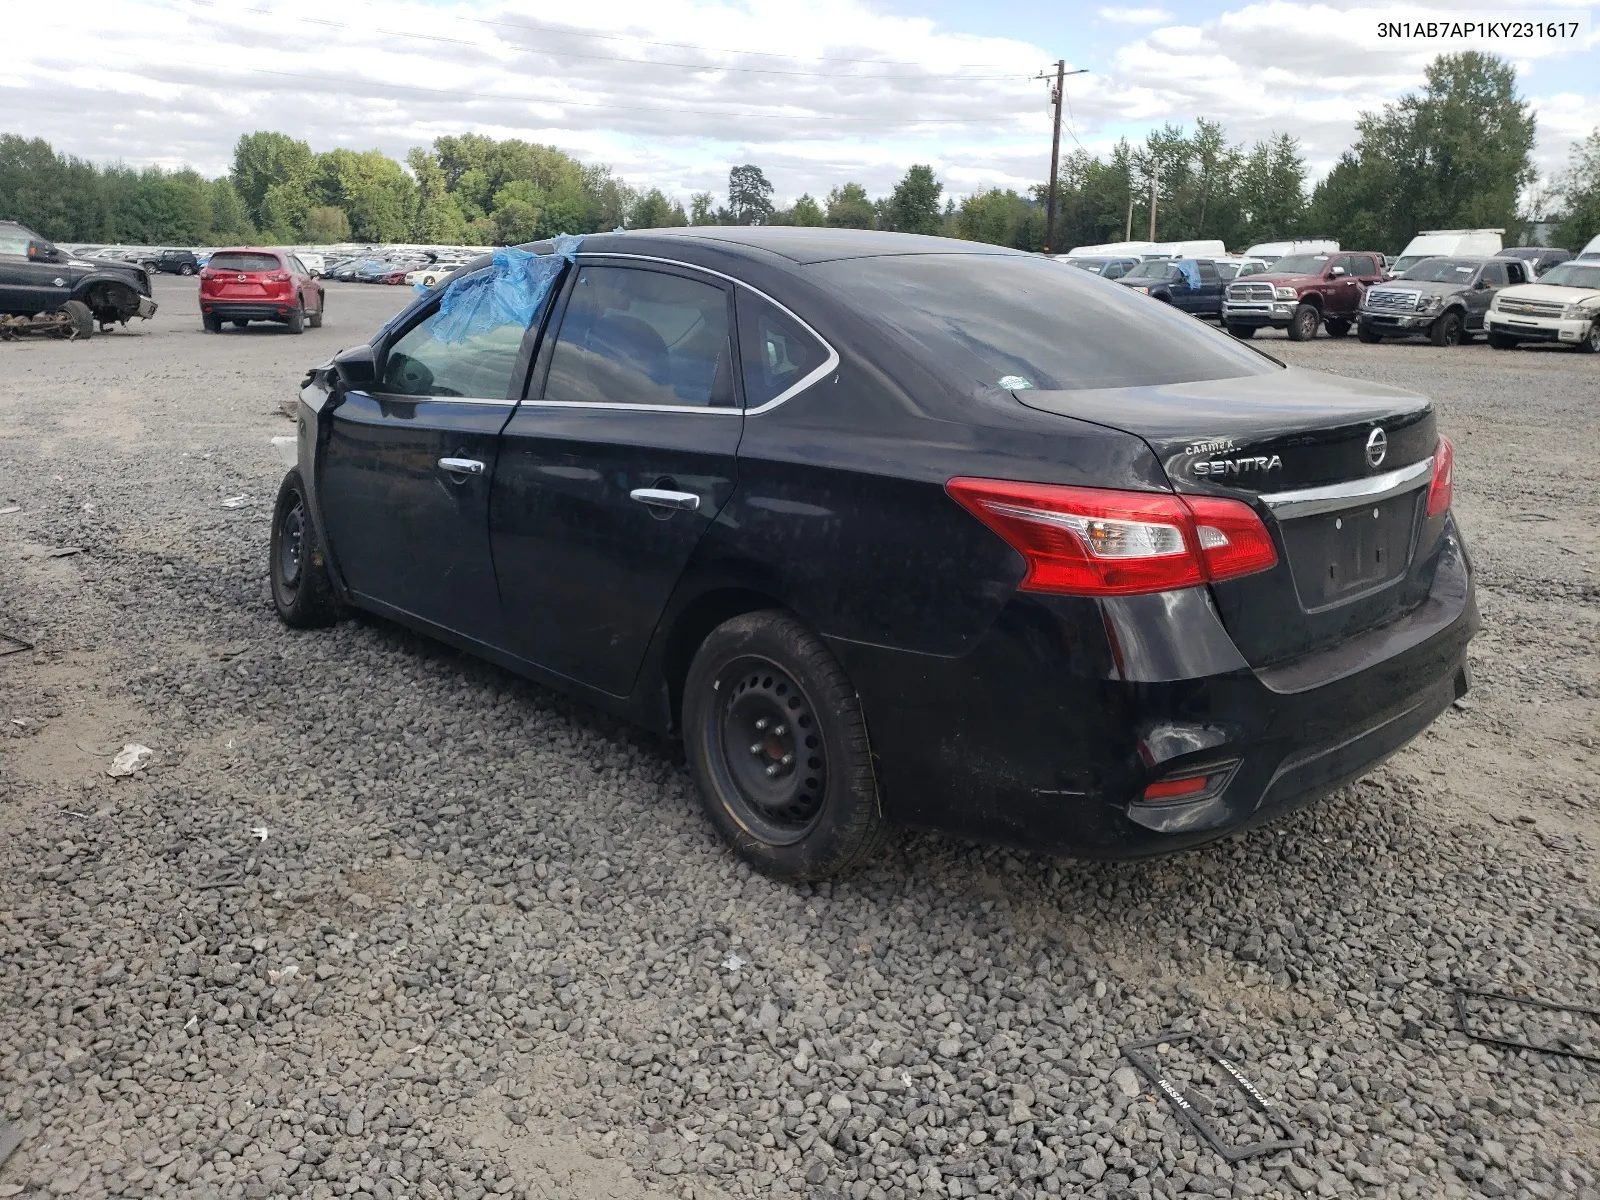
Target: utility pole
{"type": "Point", "coordinates": [1057, 94]}
{"type": "Point", "coordinates": [1152, 203]}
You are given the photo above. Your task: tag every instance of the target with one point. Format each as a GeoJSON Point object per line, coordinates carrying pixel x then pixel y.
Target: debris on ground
{"type": "Point", "coordinates": [132, 757]}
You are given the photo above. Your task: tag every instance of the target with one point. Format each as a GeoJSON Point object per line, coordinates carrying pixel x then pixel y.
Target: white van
{"type": "Point", "coordinates": [1112, 250]}
{"type": "Point", "coordinates": [1447, 243]}
{"type": "Point", "coordinates": [1273, 251]}
{"type": "Point", "coordinates": [1198, 248]}
{"type": "Point", "coordinates": [1592, 250]}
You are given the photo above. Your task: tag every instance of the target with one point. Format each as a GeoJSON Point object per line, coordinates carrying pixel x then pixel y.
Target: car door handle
{"type": "Point", "coordinates": [461, 466]}
{"type": "Point", "coordinates": [661, 498]}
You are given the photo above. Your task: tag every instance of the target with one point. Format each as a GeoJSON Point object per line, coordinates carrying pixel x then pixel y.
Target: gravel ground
{"type": "Point", "coordinates": [379, 920]}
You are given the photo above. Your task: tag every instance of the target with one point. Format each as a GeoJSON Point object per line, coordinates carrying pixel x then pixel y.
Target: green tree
{"type": "Point", "coordinates": [438, 219]}
{"type": "Point", "coordinates": [702, 209]}
{"type": "Point", "coordinates": [1579, 187]}
{"type": "Point", "coordinates": [1457, 154]}
{"type": "Point", "coordinates": [849, 208]}
{"type": "Point", "coordinates": [266, 162]}
{"type": "Point", "coordinates": [749, 195]}
{"type": "Point", "coordinates": [518, 212]}
{"type": "Point", "coordinates": [913, 206]}
{"type": "Point", "coordinates": [1001, 217]}
{"type": "Point", "coordinates": [806, 211]}
{"type": "Point", "coordinates": [229, 221]}
{"type": "Point", "coordinates": [652, 210]}
{"type": "Point", "coordinates": [326, 224]}
{"type": "Point", "coordinates": [1271, 192]}
{"type": "Point", "coordinates": [375, 193]}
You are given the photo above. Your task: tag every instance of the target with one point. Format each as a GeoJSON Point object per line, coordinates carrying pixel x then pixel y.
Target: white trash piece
{"type": "Point", "coordinates": [238, 501]}
{"type": "Point", "coordinates": [132, 757]}
{"type": "Point", "coordinates": [288, 448]}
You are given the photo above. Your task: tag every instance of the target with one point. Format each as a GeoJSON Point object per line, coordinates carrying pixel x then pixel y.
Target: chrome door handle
{"type": "Point", "coordinates": [660, 498]}
{"type": "Point", "coordinates": [461, 466]}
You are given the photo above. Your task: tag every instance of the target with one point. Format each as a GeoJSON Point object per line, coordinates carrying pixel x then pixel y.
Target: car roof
{"type": "Point", "coordinates": [798, 244]}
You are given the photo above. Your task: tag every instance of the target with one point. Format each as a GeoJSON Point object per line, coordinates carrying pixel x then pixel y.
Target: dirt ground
{"type": "Point", "coordinates": [401, 824]}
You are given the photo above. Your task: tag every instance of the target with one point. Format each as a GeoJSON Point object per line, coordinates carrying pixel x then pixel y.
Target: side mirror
{"type": "Point", "coordinates": [356, 367]}
{"type": "Point", "coordinates": [43, 252]}
{"type": "Point", "coordinates": [1338, 273]}
{"type": "Point", "coordinates": [1482, 284]}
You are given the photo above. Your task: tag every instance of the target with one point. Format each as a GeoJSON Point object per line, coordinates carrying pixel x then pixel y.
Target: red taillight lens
{"type": "Point", "coordinates": [1170, 789]}
{"type": "Point", "coordinates": [1442, 490]}
{"type": "Point", "coordinates": [280, 277]}
{"type": "Point", "coordinates": [1099, 542]}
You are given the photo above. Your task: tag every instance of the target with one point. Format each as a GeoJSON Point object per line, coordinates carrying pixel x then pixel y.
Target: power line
{"type": "Point", "coordinates": [535, 28]}
{"type": "Point", "coordinates": [456, 93]}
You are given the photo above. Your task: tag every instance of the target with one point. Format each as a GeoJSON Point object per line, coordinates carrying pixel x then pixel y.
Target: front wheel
{"type": "Point", "coordinates": [1242, 331]}
{"type": "Point", "coordinates": [777, 744]}
{"type": "Point", "coordinates": [1369, 335]}
{"type": "Point", "coordinates": [1303, 325]}
{"type": "Point", "coordinates": [1337, 327]}
{"type": "Point", "coordinates": [301, 589]}
{"type": "Point", "coordinates": [82, 319]}
{"type": "Point", "coordinates": [1591, 343]}
{"type": "Point", "coordinates": [1447, 330]}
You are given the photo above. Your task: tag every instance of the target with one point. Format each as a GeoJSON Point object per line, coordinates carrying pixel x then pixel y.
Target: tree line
{"type": "Point", "coordinates": [1455, 153]}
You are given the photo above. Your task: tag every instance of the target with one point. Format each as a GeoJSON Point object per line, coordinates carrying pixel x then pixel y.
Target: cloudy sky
{"type": "Point", "coordinates": [671, 92]}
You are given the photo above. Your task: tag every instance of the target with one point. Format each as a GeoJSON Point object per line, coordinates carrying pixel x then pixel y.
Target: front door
{"type": "Point", "coordinates": [28, 285]}
{"type": "Point", "coordinates": [404, 479]}
{"type": "Point", "coordinates": [611, 473]}
{"type": "Point", "coordinates": [1491, 279]}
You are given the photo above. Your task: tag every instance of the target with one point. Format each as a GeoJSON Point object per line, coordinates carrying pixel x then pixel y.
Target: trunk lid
{"type": "Point", "coordinates": [1338, 471]}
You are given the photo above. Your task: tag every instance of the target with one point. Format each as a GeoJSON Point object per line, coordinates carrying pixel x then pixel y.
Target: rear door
{"type": "Point", "coordinates": [404, 479]}
{"type": "Point", "coordinates": [612, 471]}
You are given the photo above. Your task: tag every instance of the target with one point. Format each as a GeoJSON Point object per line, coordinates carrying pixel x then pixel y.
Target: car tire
{"type": "Point", "coordinates": [763, 686]}
{"type": "Point", "coordinates": [1591, 343]}
{"type": "Point", "coordinates": [302, 591]}
{"type": "Point", "coordinates": [212, 324]}
{"type": "Point", "coordinates": [185, 269]}
{"type": "Point", "coordinates": [297, 319]}
{"type": "Point", "coordinates": [1368, 334]}
{"type": "Point", "coordinates": [82, 319]}
{"type": "Point", "coordinates": [315, 319]}
{"type": "Point", "coordinates": [1447, 330]}
{"type": "Point", "coordinates": [1337, 327]}
{"type": "Point", "coordinates": [242, 323]}
{"type": "Point", "coordinates": [1304, 324]}
{"type": "Point", "coordinates": [1242, 331]}
{"type": "Point", "coordinates": [1502, 341]}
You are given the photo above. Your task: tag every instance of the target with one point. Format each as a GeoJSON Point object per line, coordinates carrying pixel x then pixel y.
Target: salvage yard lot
{"type": "Point", "coordinates": [382, 920]}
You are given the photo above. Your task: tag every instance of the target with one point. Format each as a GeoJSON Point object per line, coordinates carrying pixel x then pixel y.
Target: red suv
{"type": "Point", "coordinates": [248, 284]}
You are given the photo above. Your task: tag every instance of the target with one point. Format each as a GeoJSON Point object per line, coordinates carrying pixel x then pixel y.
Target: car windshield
{"type": "Point", "coordinates": [1012, 322]}
{"type": "Point", "coordinates": [1088, 264]}
{"type": "Point", "coordinates": [1573, 274]}
{"type": "Point", "coordinates": [243, 260]}
{"type": "Point", "coordinates": [1443, 270]}
{"type": "Point", "coordinates": [1300, 264]}
{"type": "Point", "coordinates": [1154, 268]}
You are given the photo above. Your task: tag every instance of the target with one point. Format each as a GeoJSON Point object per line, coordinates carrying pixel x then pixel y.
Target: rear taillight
{"type": "Point", "coordinates": [279, 277]}
{"type": "Point", "coordinates": [1442, 490]}
{"type": "Point", "coordinates": [1098, 542]}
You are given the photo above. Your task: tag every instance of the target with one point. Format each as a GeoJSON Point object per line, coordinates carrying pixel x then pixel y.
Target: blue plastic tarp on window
{"type": "Point", "coordinates": [510, 291]}
{"type": "Point", "coordinates": [1191, 272]}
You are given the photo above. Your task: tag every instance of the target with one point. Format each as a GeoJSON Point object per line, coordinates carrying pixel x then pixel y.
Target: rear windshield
{"type": "Point", "coordinates": [237, 260]}
{"type": "Point", "coordinates": [1016, 322]}
{"type": "Point", "coordinates": [1443, 270]}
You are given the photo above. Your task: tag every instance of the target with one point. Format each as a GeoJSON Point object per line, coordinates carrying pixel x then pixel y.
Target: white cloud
{"type": "Point", "coordinates": [1134, 16]}
{"type": "Point", "coordinates": [816, 93]}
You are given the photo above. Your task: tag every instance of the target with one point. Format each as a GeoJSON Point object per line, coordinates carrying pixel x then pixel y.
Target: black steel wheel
{"type": "Point", "coordinates": [778, 746]}
{"type": "Point", "coordinates": [301, 590]}
{"type": "Point", "coordinates": [1448, 330]}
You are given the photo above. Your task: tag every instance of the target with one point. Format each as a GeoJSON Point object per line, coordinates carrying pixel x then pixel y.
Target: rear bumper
{"type": "Point", "coordinates": [1538, 329]}
{"type": "Point", "coordinates": [1045, 736]}
{"type": "Point", "coordinates": [252, 310]}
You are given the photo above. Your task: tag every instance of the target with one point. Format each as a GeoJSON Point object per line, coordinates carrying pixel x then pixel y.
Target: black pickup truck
{"type": "Point", "coordinates": [37, 277]}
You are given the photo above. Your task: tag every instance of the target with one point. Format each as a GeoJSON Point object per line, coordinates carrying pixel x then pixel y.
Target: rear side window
{"type": "Point", "coordinates": [477, 367]}
{"type": "Point", "coordinates": [1014, 322]}
{"type": "Point", "coordinates": [633, 336]}
{"type": "Point", "coordinates": [776, 350]}
{"type": "Point", "coordinates": [244, 261]}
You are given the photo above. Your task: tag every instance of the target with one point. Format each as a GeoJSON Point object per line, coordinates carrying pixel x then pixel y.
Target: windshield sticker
{"type": "Point", "coordinates": [1015, 383]}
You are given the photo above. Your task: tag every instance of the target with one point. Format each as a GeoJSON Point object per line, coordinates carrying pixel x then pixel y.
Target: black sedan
{"type": "Point", "coordinates": [898, 530]}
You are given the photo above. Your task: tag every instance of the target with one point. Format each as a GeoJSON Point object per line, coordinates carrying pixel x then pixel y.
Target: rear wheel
{"type": "Point", "coordinates": [1337, 327]}
{"type": "Point", "coordinates": [1368, 334]}
{"type": "Point", "coordinates": [1502, 341]}
{"type": "Point", "coordinates": [185, 269]}
{"type": "Point", "coordinates": [301, 590]}
{"type": "Point", "coordinates": [1591, 343]}
{"type": "Point", "coordinates": [242, 323]}
{"type": "Point", "coordinates": [315, 319]}
{"type": "Point", "coordinates": [297, 318]}
{"type": "Point", "coordinates": [82, 319]}
{"type": "Point", "coordinates": [213, 324]}
{"type": "Point", "coordinates": [1303, 325]}
{"type": "Point", "coordinates": [778, 747]}
{"type": "Point", "coordinates": [1447, 330]}
{"type": "Point", "coordinates": [1242, 331]}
